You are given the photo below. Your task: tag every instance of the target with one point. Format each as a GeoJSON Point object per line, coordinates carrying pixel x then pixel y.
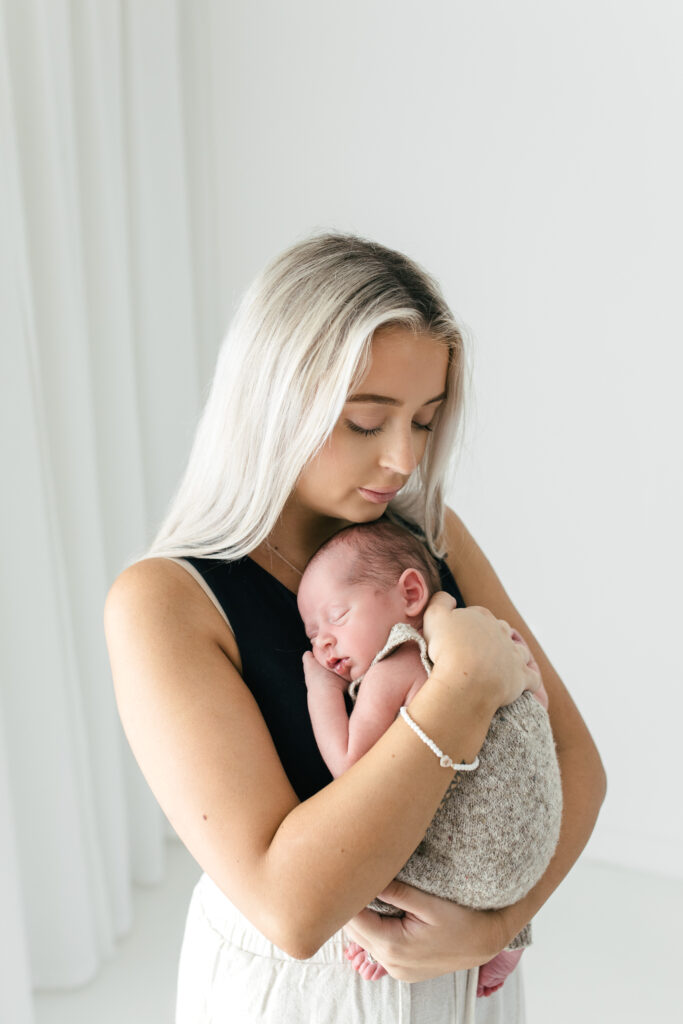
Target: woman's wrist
{"type": "Point", "coordinates": [453, 713]}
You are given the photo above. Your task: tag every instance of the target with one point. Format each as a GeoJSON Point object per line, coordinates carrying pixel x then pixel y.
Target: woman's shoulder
{"type": "Point", "coordinates": [161, 596]}
{"type": "Point", "coordinates": [455, 533]}
{"type": "Point", "coordinates": [476, 576]}
{"type": "Point", "coordinates": [150, 582]}
{"type": "Point", "coordinates": [457, 539]}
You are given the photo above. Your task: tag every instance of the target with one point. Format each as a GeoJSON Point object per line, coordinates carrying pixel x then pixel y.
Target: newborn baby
{"type": "Point", "coordinates": [361, 599]}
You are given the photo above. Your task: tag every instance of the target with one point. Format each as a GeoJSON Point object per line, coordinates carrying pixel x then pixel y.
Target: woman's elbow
{"type": "Point", "coordinates": [598, 773]}
{"type": "Point", "coordinates": [594, 778]}
{"type": "Point", "coordinates": [601, 781]}
{"type": "Point", "coordinates": [579, 756]}
{"type": "Point", "coordinates": [302, 952]}
{"type": "Point", "coordinates": [294, 934]}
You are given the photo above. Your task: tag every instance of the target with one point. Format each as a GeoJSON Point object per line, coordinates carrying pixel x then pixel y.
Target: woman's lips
{"type": "Point", "coordinates": [379, 497]}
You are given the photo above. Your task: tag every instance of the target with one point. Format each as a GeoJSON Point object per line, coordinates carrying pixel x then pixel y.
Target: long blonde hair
{"type": "Point", "coordinates": [297, 346]}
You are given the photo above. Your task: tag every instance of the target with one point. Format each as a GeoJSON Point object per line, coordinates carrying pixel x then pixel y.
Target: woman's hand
{"type": "Point", "coordinates": [472, 644]}
{"type": "Point", "coordinates": [435, 937]}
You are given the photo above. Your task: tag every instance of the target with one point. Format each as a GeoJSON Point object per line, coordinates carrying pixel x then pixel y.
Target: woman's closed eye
{"type": "Point", "coordinates": [372, 431]}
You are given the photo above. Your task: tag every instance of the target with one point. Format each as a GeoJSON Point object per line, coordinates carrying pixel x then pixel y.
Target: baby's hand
{"type": "Point", "coordinates": [317, 675]}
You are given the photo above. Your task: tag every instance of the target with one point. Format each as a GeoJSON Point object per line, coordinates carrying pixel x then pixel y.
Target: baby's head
{"type": "Point", "coordinates": [358, 585]}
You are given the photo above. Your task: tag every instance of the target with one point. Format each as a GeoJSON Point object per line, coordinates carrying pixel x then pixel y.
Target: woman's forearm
{"type": "Point", "coordinates": [310, 856]}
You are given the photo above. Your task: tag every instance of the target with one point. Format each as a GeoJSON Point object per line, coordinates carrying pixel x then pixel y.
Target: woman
{"type": "Point", "coordinates": [336, 399]}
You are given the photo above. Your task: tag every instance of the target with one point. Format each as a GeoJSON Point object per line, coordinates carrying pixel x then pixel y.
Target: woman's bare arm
{"type": "Point", "coordinates": [298, 871]}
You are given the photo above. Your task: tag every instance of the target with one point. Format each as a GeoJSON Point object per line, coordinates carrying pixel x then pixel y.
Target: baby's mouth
{"type": "Point", "coordinates": [338, 665]}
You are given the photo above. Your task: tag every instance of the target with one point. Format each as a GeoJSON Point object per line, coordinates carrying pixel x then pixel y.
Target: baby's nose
{"type": "Point", "coordinates": [323, 640]}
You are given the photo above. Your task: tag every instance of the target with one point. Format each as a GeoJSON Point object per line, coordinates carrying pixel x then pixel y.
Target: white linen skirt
{"type": "Point", "coordinates": [231, 974]}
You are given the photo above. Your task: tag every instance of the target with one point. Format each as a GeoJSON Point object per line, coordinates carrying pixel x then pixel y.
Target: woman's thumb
{"type": "Point", "coordinates": [399, 895]}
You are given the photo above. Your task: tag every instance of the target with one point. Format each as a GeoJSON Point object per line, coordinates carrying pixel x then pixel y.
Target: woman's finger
{"type": "Point", "coordinates": [366, 927]}
{"type": "Point", "coordinates": [406, 897]}
{"type": "Point", "coordinates": [522, 648]}
{"type": "Point", "coordinates": [372, 931]}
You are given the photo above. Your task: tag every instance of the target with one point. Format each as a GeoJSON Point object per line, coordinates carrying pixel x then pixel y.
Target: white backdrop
{"type": "Point", "coordinates": [155, 155]}
{"type": "Point", "coordinates": [100, 389]}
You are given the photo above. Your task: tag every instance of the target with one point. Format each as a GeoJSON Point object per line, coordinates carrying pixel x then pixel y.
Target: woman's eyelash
{"type": "Point", "coordinates": [375, 430]}
{"type": "Point", "coordinates": [361, 430]}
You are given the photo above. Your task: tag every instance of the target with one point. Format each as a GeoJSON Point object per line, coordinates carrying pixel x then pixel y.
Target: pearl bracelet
{"type": "Point", "coordinates": [444, 759]}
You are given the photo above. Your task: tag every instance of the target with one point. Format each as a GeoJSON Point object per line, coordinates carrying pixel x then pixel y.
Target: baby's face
{"type": "Point", "coordinates": [347, 625]}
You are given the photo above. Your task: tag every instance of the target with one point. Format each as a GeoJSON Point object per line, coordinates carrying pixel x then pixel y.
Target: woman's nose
{"type": "Point", "coordinates": [400, 454]}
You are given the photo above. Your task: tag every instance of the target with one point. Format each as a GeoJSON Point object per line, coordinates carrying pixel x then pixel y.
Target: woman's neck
{"type": "Point", "coordinates": [294, 539]}
{"type": "Point", "coordinates": [299, 532]}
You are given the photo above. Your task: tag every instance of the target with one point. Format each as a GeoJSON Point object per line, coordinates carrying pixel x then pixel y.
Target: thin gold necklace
{"type": "Point", "coordinates": [282, 557]}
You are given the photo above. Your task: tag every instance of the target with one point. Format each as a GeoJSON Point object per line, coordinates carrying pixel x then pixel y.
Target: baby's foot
{"type": "Point", "coordinates": [493, 974]}
{"type": "Point", "coordinates": [363, 962]}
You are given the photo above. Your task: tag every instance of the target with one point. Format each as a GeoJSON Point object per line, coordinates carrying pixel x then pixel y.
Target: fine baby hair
{"type": "Point", "coordinates": [383, 550]}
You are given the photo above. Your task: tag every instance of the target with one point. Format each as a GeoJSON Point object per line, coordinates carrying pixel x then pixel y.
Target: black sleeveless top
{"type": "Point", "coordinates": [270, 635]}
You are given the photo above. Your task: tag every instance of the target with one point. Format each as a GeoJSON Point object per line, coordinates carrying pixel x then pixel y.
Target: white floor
{"type": "Point", "coordinates": [606, 949]}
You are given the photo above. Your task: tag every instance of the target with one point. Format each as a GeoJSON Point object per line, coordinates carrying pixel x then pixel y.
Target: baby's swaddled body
{"type": "Point", "coordinates": [497, 827]}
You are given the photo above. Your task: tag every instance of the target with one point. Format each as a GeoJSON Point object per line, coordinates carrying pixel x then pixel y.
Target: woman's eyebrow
{"type": "Point", "coordinates": [385, 400]}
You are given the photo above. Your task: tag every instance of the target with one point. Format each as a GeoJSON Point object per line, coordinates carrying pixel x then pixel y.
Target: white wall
{"type": "Point", "coordinates": [529, 154]}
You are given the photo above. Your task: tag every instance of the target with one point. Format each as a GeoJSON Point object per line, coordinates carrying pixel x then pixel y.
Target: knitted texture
{"type": "Point", "coordinates": [497, 827]}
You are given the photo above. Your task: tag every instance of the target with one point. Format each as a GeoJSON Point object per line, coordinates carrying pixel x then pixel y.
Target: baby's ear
{"type": "Point", "coordinates": [414, 591]}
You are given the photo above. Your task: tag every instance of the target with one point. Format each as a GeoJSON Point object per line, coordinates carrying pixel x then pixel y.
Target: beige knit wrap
{"type": "Point", "coordinates": [497, 827]}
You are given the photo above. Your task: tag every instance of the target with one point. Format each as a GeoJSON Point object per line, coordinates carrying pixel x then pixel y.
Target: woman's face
{"type": "Point", "coordinates": [382, 433]}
